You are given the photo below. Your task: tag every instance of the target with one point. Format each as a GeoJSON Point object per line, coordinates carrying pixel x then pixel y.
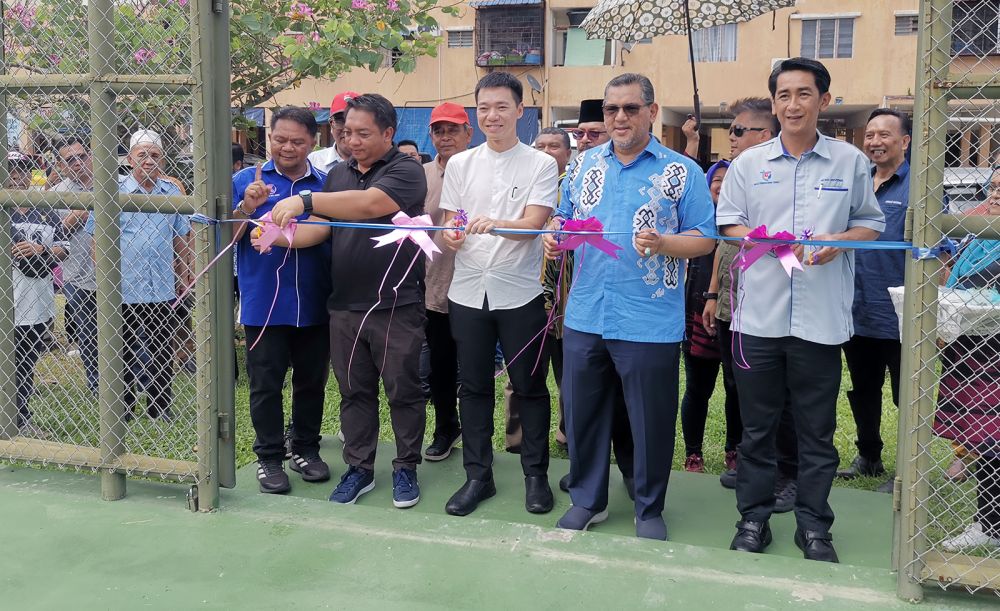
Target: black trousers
{"type": "Point", "coordinates": [148, 349]}
{"type": "Point", "coordinates": [988, 495]}
{"type": "Point", "coordinates": [306, 350]}
{"type": "Point", "coordinates": [387, 346]}
{"type": "Point", "coordinates": [28, 346]}
{"type": "Point", "coordinates": [700, 376]}
{"type": "Point", "coordinates": [443, 378]}
{"type": "Point", "coordinates": [476, 332]}
{"type": "Point", "coordinates": [648, 375]}
{"type": "Point", "coordinates": [807, 376]}
{"type": "Point", "coordinates": [788, 451]}
{"type": "Point", "coordinates": [868, 358]}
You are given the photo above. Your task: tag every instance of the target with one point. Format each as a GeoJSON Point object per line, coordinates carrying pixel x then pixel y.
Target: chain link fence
{"type": "Point", "coordinates": [113, 137]}
{"type": "Point", "coordinates": [948, 527]}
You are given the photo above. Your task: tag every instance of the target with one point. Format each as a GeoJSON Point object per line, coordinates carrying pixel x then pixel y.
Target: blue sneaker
{"type": "Point", "coordinates": [405, 491]}
{"type": "Point", "coordinates": [353, 484]}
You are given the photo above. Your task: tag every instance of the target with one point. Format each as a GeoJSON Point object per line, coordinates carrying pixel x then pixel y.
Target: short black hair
{"type": "Point", "coordinates": [495, 80]}
{"type": "Point", "coordinates": [557, 131]}
{"type": "Point", "coordinates": [302, 116]}
{"type": "Point", "coordinates": [410, 142]}
{"type": "Point", "coordinates": [238, 153]}
{"type": "Point", "coordinates": [904, 119]}
{"type": "Point", "coordinates": [818, 70]}
{"type": "Point", "coordinates": [760, 108]}
{"type": "Point", "coordinates": [65, 141]}
{"type": "Point", "coordinates": [379, 106]}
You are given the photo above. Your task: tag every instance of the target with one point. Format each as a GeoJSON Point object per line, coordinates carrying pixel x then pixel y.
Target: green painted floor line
{"type": "Point", "coordinates": [65, 548]}
{"type": "Point", "coordinates": [699, 511]}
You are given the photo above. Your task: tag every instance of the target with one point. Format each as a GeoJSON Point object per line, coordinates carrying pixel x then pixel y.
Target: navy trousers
{"type": "Point", "coordinates": [649, 379]}
{"type": "Point", "coordinates": [788, 373]}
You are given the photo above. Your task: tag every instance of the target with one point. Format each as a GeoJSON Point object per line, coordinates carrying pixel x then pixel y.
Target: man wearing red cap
{"type": "Point", "coordinates": [324, 159]}
{"type": "Point", "coordinates": [450, 133]}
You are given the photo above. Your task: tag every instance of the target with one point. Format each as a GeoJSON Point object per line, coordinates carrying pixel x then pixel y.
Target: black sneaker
{"type": "Point", "coordinates": [785, 492]}
{"type": "Point", "coordinates": [310, 466]}
{"type": "Point", "coordinates": [442, 445]}
{"type": "Point", "coordinates": [271, 477]}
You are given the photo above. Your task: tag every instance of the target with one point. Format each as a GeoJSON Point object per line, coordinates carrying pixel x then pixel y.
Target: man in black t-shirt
{"type": "Point", "coordinates": [377, 303]}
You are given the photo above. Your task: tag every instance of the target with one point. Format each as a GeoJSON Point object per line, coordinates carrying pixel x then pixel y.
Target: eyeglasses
{"type": "Point", "coordinates": [79, 157]}
{"type": "Point", "coordinates": [739, 130]}
{"type": "Point", "coordinates": [631, 110]}
{"type": "Point", "coordinates": [591, 134]}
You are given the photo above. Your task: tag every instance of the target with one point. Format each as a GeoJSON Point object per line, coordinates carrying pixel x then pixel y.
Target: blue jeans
{"type": "Point", "coordinates": [83, 307]}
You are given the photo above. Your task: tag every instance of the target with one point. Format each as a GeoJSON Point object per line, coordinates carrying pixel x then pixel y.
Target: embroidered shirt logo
{"type": "Point", "coordinates": [766, 178]}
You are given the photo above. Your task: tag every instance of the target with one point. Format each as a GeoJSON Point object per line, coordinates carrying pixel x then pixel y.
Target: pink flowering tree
{"type": "Point", "coordinates": [275, 44]}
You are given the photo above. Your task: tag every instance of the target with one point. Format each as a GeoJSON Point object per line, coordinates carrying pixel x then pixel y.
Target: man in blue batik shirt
{"type": "Point", "coordinates": [875, 346]}
{"type": "Point", "coordinates": [625, 316]}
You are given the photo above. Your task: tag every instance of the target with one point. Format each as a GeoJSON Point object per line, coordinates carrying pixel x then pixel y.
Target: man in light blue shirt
{"type": "Point", "coordinates": [150, 243]}
{"type": "Point", "coordinates": [791, 328]}
{"type": "Point", "coordinates": [625, 316]}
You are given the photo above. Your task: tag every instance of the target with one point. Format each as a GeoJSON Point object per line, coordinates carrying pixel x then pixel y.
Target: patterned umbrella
{"type": "Point", "coordinates": [628, 20]}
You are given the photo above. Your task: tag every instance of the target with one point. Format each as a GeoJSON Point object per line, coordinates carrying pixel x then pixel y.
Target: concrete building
{"type": "Point", "coordinates": [869, 46]}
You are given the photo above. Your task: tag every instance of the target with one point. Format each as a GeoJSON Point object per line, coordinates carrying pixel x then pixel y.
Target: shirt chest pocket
{"type": "Point", "coordinates": [509, 198]}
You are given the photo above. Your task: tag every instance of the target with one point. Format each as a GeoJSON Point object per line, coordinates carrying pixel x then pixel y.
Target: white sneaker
{"type": "Point", "coordinates": [972, 536]}
{"type": "Point", "coordinates": [340, 436]}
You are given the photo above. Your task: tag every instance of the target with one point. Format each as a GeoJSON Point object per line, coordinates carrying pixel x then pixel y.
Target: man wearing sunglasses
{"type": "Point", "coordinates": [626, 317]}
{"type": "Point", "coordinates": [590, 130]}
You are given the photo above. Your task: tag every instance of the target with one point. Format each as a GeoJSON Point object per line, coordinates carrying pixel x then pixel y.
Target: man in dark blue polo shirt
{"type": "Point", "coordinates": [875, 346]}
{"type": "Point", "coordinates": [284, 310]}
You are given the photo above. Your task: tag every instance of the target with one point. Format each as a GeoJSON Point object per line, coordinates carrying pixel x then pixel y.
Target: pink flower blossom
{"type": "Point", "coordinates": [361, 4]}
{"type": "Point", "coordinates": [314, 36]}
{"type": "Point", "coordinates": [314, 106]}
{"type": "Point", "coordinates": [143, 56]}
{"type": "Point", "coordinates": [300, 38]}
{"type": "Point", "coordinates": [54, 59]}
{"type": "Point", "coordinates": [299, 10]}
{"type": "Point", "coordinates": [392, 5]}
{"type": "Point", "coordinates": [182, 3]}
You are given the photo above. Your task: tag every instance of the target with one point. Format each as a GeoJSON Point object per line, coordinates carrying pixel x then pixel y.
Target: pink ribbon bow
{"type": "Point", "coordinates": [270, 232]}
{"type": "Point", "coordinates": [419, 236]}
{"type": "Point", "coordinates": [572, 242]}
{"type": "Point", "coordinates": [783, 251]}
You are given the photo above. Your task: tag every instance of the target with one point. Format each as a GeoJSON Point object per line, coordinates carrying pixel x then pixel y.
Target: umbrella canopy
{"type": "Point", "coordinates": [627, 20]}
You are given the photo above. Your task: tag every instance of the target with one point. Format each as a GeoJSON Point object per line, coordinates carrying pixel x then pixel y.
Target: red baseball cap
{"type": "Point", "coordinates": [450, 112]}
{"type": "Point", "coordinates": [339, 103]}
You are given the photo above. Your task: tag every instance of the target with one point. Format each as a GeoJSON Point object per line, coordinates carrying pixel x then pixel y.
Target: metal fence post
{"type": "Point", "coordinates": [107, 210]}
{"type": "Point", "coordinates": [8, 386]}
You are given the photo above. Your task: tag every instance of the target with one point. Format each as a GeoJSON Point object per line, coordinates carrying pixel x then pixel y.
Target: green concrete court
{"type": "Point", "coordinates": [63, 547]}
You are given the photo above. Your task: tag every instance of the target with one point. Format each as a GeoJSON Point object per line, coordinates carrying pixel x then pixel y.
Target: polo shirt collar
{"type": "Point", "coordinates": [353, 163]}
{"type": "Point", "coordinates": [270, 167]}
{"type": "Point", "coordinates": [776, 148]}
{"type": "Point", "coordinates": [131, 185]}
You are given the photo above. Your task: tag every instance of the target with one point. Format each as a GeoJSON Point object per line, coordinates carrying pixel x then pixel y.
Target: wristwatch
{"type": "Point", "coordinates": [707, 295]}
{"type": "Point", "coordinates": [307, 201]}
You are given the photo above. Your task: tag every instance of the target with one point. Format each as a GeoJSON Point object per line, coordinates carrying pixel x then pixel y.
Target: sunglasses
{"type": "Point", "coordinates": [631, 110]}
{"type": "Point", "coordinates": [739, 130]}
{"type": "Point", "coordinates": [591, 134]}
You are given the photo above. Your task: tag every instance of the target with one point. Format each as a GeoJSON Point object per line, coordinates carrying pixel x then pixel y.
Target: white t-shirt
{"type": "Point", "coordinates": [34, 297]}
{"type": "Point", "coordinates": [499, 186]}
{"type": "Point", "coordinates": [324, 159]}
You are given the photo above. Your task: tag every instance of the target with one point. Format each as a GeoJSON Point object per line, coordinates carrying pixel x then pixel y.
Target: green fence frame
{"type": "Point", "coordinates": [208, 88]}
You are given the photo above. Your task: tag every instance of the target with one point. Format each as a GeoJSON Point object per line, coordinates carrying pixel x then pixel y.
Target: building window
{"type": "Point", "coordinates": [828, 38]}
{"type": "Point", "coordinates": [509, 35]}
{"type": "Point", "coordinates": [715, 44]}
{"type": "Point", "coordinates": [906, 25]}
{"type": "Point", "coordinates": [459, 39]}
{"type": "Point", "coordinates": [976, 27]}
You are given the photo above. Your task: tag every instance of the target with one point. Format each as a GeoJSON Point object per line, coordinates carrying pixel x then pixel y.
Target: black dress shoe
{"type": "Point", "coordinates": [469, 496]}
{"type": "Point", "coordinates": [564, 483]}
{"type": "Point", "coordinates": [751, 537]}
{"type": "Point", "coordinates": [862, 467]}
{"type": "Point", "coordinates": [816, 545]}
{"type": "Point", "coordinates": [537, 494]}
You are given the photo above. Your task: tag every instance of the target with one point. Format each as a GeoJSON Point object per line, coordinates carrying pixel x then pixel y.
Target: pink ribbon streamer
{"type": "Point", "coordinates": [419, 236]}
{"type": "Point", "coordinates": [572, 242]}
{"type": "Point", "coordinates": [269, 233]}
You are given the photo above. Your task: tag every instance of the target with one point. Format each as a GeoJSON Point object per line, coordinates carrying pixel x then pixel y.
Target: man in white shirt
{"type": "Point", "coordinates": [496, 293]}
{"type": "Point", "coordinates": [324, 159]}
